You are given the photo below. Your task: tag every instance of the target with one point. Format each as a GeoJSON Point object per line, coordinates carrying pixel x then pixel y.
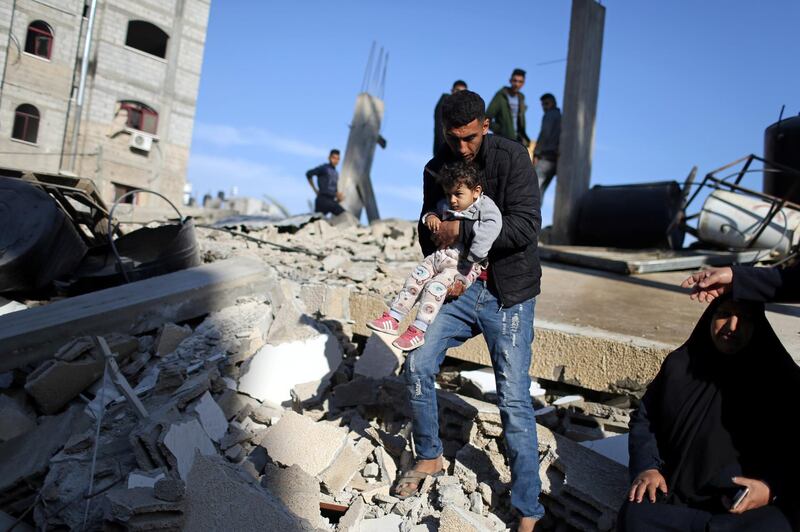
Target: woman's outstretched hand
{"type": "Point", "coordinates": [648, 481]}
{"type": "Point", "coordinates": [707, 285]}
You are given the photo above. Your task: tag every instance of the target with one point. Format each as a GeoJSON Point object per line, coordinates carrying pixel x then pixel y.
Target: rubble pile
{"type": "Point", "coordinates": [279, 413]}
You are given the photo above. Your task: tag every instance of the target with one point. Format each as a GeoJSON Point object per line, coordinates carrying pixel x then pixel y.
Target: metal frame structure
{"type": "Point", "coordinates": [723, 183]}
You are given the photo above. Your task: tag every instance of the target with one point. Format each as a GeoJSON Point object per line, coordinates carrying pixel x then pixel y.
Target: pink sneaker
{"type": "Point", "coordinates": [409, 340]}
{"type": "Point", "coordinates": [385, 324]}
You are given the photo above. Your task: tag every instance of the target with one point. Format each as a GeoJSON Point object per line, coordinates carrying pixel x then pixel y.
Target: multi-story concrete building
{"type": "Point", "coordinates": [133, 101]}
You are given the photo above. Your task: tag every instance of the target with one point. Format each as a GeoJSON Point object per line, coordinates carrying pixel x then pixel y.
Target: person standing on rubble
{"type": "Point", "coordinates": [328, 196]}
{"type": "Point", "coordinates": [545, 154]}
{"type": "Point", "coordinates": [438, 130]}
{"type": "Point", "coordinates": [506, 111]}
{"type": "Point", "coordinates": [500, 304]}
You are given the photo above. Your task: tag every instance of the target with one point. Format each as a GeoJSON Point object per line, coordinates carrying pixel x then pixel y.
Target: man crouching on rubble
{"type": "Point", "coordinates": [499, 304]}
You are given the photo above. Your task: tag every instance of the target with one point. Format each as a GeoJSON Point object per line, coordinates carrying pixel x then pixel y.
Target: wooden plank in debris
{"type": "Point", "coordinates": [33, 335]}
{"type": "Point", "coordinates": [626, 261]}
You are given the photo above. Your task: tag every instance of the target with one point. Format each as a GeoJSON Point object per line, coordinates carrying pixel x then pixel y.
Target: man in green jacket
{"type": "Point", "coordinates": [507, 110]}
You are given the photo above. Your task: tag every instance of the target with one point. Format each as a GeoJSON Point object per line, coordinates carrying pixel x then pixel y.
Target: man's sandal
{"type": "Point", "coordinates": [414, 478]}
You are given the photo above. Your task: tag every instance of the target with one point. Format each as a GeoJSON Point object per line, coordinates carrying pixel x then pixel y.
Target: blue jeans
{"type": "Point", "coordinates": [509, 334]}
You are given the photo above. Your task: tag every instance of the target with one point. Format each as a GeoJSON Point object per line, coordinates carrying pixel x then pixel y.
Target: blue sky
{"type": "Point", "coordinates": [682, 83]}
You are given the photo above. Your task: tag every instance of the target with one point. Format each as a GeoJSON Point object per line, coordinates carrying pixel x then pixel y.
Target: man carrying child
{"type": "Point", "coordinates": [499, 304]}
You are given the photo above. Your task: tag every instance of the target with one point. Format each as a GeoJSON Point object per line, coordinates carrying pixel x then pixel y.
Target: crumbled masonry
{"type": "Point", "coordinates": [281, 401]}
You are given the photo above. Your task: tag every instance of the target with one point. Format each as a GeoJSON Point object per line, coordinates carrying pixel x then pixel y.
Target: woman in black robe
{"type": "Point", "coordinates": [717, 420]}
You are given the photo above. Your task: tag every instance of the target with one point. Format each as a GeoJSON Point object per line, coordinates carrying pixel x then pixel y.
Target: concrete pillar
{"type": "Point", "coordinates": [580, 109]}
{"type": "Point", "coordinates": [355, 181]}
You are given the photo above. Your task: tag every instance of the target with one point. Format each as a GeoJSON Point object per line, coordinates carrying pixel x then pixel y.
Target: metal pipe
{"type": "Point", "coordinates": [87, 46]}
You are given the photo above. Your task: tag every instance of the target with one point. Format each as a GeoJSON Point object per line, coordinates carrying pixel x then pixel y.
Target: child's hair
{"type": "Point", "coordinates": [459, 173]}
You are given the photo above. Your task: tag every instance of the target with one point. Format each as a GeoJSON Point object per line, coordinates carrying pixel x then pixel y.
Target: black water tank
{"type": "Point", "coordinates": [633, 216]}
{"type": "Point", "coordinates": [782, 146]}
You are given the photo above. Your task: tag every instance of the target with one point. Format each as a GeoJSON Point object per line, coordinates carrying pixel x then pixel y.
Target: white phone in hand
{"type": "Point", "coordinates": [740, 495]}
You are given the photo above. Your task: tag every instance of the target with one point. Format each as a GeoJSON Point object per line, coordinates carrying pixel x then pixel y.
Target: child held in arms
{"type": "Point", "coordinates": [431, 279]}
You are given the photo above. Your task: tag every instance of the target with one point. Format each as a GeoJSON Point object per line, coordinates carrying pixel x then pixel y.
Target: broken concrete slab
{"type": "Point", "coordinates": [14, 420]}
{"type": "Point", "coordinates": [457, 519]}
{"type": "Point", "coordinates": [351, 520]}
{"type": "Point", "coordinates": [362, 391]}
{"type": "Point", "coordinates": [219, 496]}
{"type": "Point", "coordinates": [307, 394]}
{"type": "Point", "coordinates": [295, 439]}
{"type": "Point", "coordinates": [169, 489]}
{"type": "Point", "coordinates": [56, 382]}
{"type": "Point", "coordinates": [183, 441]}
{"type": "Point", "coordinates": [139, 509]}
{"type": "Point", "coordinates": [28, 455]}
{"type": "Point", "coordinates": [387, 465]}
{"type": "Point", "coordinates": [144, 479]}
{"type": "Point", "coordinates": [388, 523]}
{"type": "Point", "coordinates": [342, 469]}
{"type": "Point", "coordinates": [170, 337]}
{"type": "Point", "coordinates": [380, 358]}
{"type": "Point", "coordinates": [587, 488]}
{"type": "Point", "coordinates": [613, 447]}
{"type": "Point", "coordinates": [211, 417]}
{"type": "Point", "coordinates": [298, 491]}
{"type": "Point", "coordinates": [33, 335]}
{"type": "Point", "coordinates": [275, 369]}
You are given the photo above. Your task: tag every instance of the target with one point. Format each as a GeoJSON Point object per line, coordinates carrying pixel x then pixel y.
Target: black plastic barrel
{"type": "Point", "coordinates": [635, 216]}
{"type": "Point", "coordinates": [782, 146]}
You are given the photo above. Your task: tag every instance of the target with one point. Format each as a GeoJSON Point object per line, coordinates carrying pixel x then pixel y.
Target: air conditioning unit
{"type": "Point", "coordinates": [141, 141]}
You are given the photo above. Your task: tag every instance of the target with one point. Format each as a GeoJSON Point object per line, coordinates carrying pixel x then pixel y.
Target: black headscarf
{"type": "Point", "coordinates": [718, 415]}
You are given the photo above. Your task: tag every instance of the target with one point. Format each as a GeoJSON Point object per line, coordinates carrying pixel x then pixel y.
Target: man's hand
{"type": "Point", "coordinates": [339, 196]}
{"type": "Point", "coordinates": [757, 497]}
{"type": "Point", "coordinates": [433, 222]}
{"type": "Point", "coordinates": [648, 481]}
{"type": "Point", "coordinates": [447, 234]}
{"type": "Point", "coordinates": [707, 285]}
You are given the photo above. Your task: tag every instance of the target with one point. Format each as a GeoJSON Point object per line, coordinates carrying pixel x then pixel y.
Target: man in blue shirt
{"type": "Point", "coordinates": [328, 195]}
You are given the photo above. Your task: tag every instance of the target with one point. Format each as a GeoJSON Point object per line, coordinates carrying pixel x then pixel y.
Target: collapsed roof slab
{"type": "Point", "coordinates": [32, 335]}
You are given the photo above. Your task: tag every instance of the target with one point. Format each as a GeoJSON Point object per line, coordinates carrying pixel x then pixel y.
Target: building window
{"type": "Point", "coordinates": [121, 190]}
{"type": "Point", "coordinates": [140, 117]}
{"type": "Point", "coordinates": [40, 39]}
{"type": "Point", "coordinates": [147, 37]}
{"type": "Point", "coordinates": [26, 123]}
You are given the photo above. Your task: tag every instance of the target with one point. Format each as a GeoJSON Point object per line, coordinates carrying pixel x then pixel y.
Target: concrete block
{"type": "Point", "coordinates": [335, 261]}
{"type": "Point", "coordinates": [28, 455]}
{"type": "Point", "coordinates": [307, 394]}
{"type": "Point", "coordinates": [170, 337]}
{"type": "Point", "coordinates": [183, 440]}
{"type": "Point", "coordinates": [388, 523]}
{"type": "Point", "coordinates": [275, 369]}
{"type": "Point", "coordinates": [14, 420]}
{"type": "Point", "coordinates": [614, 448]}
{"type": "Point", "coordinates": [343, 468]}
{"type": "Point", "coordinates": [169, 489]}
{"type": "Point", "coordinates": [56, 382]}
{"type": "Point", "coordinates": [387, 465]}
{"type": "Point", "coordinates": [232, 402]}
{"type": "Point", "coordinates": [298, 491]}
{"type": "Point", "coordinates": [362, 391]}
{"type": "Point", "coordinates": [296, 439]}
{"type": "Point", "coordinates": [380, 358]}
{"type": "Point", "coordinates": [351, 520]}
{"type": "Point", "coordinates": [138, 509]}
{"type": "Point", "coordinates": [456, 519]}
{"type": "Point", "coordinates": [211, 417]}
{"type": "Point", "coordinates": [219, 496]}
{"type": "Point", "coordinates": [144, 479]}
{"type": "Point", "coordinates": [32, 335]}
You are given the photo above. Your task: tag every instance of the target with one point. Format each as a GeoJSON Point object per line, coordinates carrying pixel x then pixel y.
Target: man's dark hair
{"type": "Point", "coordinates": [461, 108]}
{"type": "Point", "coordinates": [518, 72]}
{"type": "Point", "coordinates": [547, 96]}
{"type": "Point", "coordinates": [460, 83]}
{"type": "Point", "coordinates": [459, 172]}
{"type": "Point", "coordinates": [334, 152]}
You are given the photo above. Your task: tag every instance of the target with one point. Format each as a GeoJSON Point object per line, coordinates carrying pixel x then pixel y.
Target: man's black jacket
{"type": "Point", "coordinates": [508, 177]}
